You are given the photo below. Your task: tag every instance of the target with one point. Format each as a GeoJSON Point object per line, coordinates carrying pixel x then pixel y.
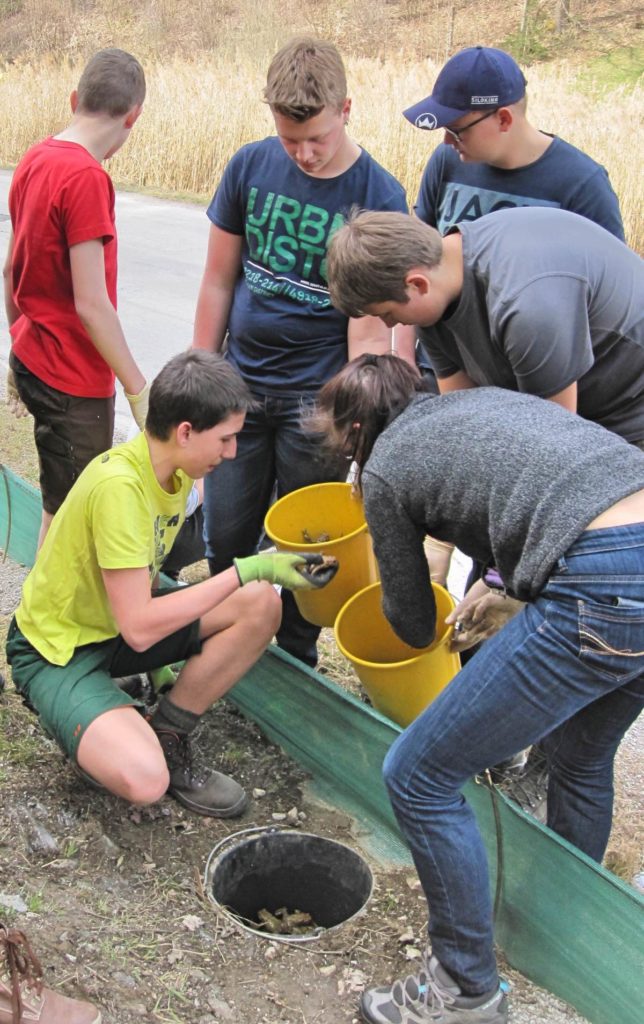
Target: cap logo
{"type": "Point", "coordinates": [484, 100]}
{"type": "Point", "coordinates": [427, 121]}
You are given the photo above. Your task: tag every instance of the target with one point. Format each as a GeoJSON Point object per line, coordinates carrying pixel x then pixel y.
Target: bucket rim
{"type": "Point", "coordinates": [386, 665]}
{"type": "Point", "coordinates": [256, 832]}
{"type": "Point", "coordinates": [291, 545]}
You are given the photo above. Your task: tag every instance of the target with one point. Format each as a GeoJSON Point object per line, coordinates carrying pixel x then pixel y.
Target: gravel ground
{"type": "Point", "coordinates": [529, 1004]}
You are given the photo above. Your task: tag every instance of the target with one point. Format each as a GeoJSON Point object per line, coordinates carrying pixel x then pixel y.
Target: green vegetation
{"type": "Point", "coordinates": [623, 66]}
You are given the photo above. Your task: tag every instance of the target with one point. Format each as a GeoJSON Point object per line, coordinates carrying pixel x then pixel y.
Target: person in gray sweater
{"type": "Point", "coordinates": [556, 503]}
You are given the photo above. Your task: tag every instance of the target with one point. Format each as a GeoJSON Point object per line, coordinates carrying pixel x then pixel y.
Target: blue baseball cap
{"type": "Point", "coordinates": [477, 78]}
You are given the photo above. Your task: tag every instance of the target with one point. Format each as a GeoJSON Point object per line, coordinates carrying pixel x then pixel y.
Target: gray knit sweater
{"type": "Point", "coordinates": [511, 479]}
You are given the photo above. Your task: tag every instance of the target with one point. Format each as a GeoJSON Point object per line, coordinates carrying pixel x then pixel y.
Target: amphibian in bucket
{"type": "Point", "coordinates": [282, 922]}
{"type": "Point", "coordinates": [322, 538]}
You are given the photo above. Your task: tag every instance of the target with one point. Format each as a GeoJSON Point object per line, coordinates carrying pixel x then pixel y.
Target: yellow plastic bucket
{"type": "Point", "coordinates": [332, 509]}
{"type": "Point", "coordinates": [400, 680]}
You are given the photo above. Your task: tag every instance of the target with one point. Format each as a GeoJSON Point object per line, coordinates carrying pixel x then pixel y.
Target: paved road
{"type": "Point", "coordinates": [162, 247]}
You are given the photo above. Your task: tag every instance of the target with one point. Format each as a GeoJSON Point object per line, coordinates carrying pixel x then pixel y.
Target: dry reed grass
{"type": "Point", "coordinates": [198, 113]}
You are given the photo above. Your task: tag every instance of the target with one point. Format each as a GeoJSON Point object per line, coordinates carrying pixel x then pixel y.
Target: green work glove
{"type": "Point", "coordinates": [295, 571]}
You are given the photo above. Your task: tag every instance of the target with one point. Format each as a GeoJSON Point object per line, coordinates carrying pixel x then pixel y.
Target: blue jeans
{"type": "Point", "coordinates": [570, 668]}
{"type": "Point", "coordinates": [274, 456]}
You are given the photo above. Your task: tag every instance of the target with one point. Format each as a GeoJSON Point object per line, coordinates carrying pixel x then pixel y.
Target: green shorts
{"type": "Point", "coordinates": [68, 698]}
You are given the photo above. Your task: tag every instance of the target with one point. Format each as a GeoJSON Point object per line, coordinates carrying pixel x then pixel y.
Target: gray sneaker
{"type": "Point", "coordinates": [206, 792]}
{"type": "Point", "coordinates": [432, 997]}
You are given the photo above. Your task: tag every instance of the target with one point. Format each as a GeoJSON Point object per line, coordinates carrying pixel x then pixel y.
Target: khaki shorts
{"type": "Point", "coordinates": [69, 432]}
{"type": "Point", "coordinates": [70, 697]}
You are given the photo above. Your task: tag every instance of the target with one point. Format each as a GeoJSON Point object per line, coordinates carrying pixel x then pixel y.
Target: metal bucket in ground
{"type": "Point", "coordinates": [265, 869]}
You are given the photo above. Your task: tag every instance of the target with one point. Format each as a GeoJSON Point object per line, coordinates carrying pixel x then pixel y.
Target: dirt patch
{"type": "Point", "coordinates": [112, 896]}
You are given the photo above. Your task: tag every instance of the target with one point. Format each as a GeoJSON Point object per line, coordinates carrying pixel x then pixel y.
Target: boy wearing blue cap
{"type": "Point", "coordinates": [492, 158]}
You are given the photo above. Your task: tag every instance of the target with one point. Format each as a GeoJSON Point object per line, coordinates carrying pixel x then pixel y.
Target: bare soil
{"type": "Point", "coordinates": [112, 896]}
{"type": "Point", "coordinates": [113, 900]}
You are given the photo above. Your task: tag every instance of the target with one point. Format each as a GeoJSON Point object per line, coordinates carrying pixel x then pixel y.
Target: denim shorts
{"type": "Point", "coordinates": [69, 432]}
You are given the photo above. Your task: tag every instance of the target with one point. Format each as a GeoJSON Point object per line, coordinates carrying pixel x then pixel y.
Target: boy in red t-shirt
{"type": "Point", "coordinates": [60, 281]}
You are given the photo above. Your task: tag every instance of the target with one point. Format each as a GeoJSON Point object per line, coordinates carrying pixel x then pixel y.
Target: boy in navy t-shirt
{"type": "Point", "coordinates": [492, 158]}
{"type": "Point", "coordinates": [265, 291]}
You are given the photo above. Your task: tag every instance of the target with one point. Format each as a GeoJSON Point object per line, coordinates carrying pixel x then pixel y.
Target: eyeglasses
{"type": "Point", "coordinates": [457, 132]}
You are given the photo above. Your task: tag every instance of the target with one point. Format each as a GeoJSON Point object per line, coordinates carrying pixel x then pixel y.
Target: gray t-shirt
{"type": "Point", "coordinates": [511, 479]}
{"type": "Point", "coordinates": [549, 298]}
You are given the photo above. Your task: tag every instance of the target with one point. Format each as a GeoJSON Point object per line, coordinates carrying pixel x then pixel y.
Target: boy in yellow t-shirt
{"type": "Point", "coordinates": [88, 612]}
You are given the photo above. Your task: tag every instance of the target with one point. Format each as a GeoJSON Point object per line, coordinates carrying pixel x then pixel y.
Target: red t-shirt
{"type": "Point", "coordinates": [60, 196]}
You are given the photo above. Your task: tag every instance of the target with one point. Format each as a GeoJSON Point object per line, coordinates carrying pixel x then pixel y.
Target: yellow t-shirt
{"type": "Point", "coordinates": [116, 516]}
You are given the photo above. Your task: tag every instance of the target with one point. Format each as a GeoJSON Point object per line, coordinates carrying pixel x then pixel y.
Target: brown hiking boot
{"type": "Point", "coordinates": [23, 998]}
{"type": "Point", "coordinates": [206, 792]}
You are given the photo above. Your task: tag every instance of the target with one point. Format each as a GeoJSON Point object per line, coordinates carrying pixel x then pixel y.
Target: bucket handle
{"type": "Point", "coordinates": [268, 829]}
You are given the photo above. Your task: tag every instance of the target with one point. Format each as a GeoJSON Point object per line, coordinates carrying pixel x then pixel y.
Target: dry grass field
{"type": "Point", "coordinates": [206, 61]}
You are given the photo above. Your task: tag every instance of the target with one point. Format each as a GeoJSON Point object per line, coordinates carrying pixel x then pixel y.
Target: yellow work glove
{"type": "Point", "coordinates": [139, 405]}
{"type": "Point", "coordinates": [16, 405]}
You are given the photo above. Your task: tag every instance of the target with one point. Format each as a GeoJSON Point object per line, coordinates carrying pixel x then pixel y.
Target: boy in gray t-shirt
{"type": "Point", "coordinates": [535, 300]}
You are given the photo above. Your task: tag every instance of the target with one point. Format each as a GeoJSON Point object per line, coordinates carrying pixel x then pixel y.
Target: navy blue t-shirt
{"type": "Point", "coordinates": [284, 336]}
{"type": "Point", "coordinates": [452, 192]}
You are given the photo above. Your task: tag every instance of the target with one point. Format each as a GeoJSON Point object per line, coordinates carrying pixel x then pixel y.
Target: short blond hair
{"type": "Point", "coordinates": [112, 83]}
{"type": "Point", "coordinates": [370, 256]}
{"type": "Point", "coordinates": [305, 76]}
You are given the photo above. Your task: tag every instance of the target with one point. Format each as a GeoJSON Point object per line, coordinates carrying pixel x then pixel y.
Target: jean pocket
{"type": "Point", "coordinates": [611, 637]}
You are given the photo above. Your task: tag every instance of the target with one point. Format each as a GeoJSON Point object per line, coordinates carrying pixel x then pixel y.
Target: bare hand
{"type": "Point", "coordinates": [481, 614]}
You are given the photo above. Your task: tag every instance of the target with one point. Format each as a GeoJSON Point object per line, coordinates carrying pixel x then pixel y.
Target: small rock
{"type": "Point", "coordinates": [191, 922]}
{"type": "Point", "coordinates": [15, 903]}
{"type": "Point", "coordinates": [302, 815]}
{"type": "Point", "coordinates": [124, 980]}
{"type": "Point", "coordinates": [407, 936]}
{"type": "Point", "coordinates": [328, 970]}
{"type": "Point", "coordinates": [258, 793]}
{"type": "Point", "coordinates": [352, 980]}
{"type": "Point", "coordinates": [108, 848]}
{"type": "Point", "coordinates": [292, 814]}
{"type": "Point", "coordinates": [413, 882]}
{"type": "Point", "coordinates": [41, 841]}
{"type": "Point", "coordinates": [278, 816]}
{"type": "Point", "coordinates": [63, 866]}
{"type": "Point", "coordinates": [270, 953]}
{"type": "Point", "coordinates": [412, 953]}
{"type": "Point", "coordinates": [221, 1009]}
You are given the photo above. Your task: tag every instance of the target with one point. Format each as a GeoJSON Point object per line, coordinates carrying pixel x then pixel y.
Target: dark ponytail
{"type": "Point", "coordinates": [355, 406]}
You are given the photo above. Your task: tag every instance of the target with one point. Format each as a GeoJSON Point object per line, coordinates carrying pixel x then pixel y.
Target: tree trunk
{"type": "Point", "coordinates": [562, 16]}
{"type": "Point", "coordinates": [450, 30]}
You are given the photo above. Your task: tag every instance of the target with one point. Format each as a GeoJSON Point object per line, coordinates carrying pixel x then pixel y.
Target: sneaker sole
{"type": "Point", "coordinates": [225, 812]}
{"type": "Point", "coordinates": [497, 1016]}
